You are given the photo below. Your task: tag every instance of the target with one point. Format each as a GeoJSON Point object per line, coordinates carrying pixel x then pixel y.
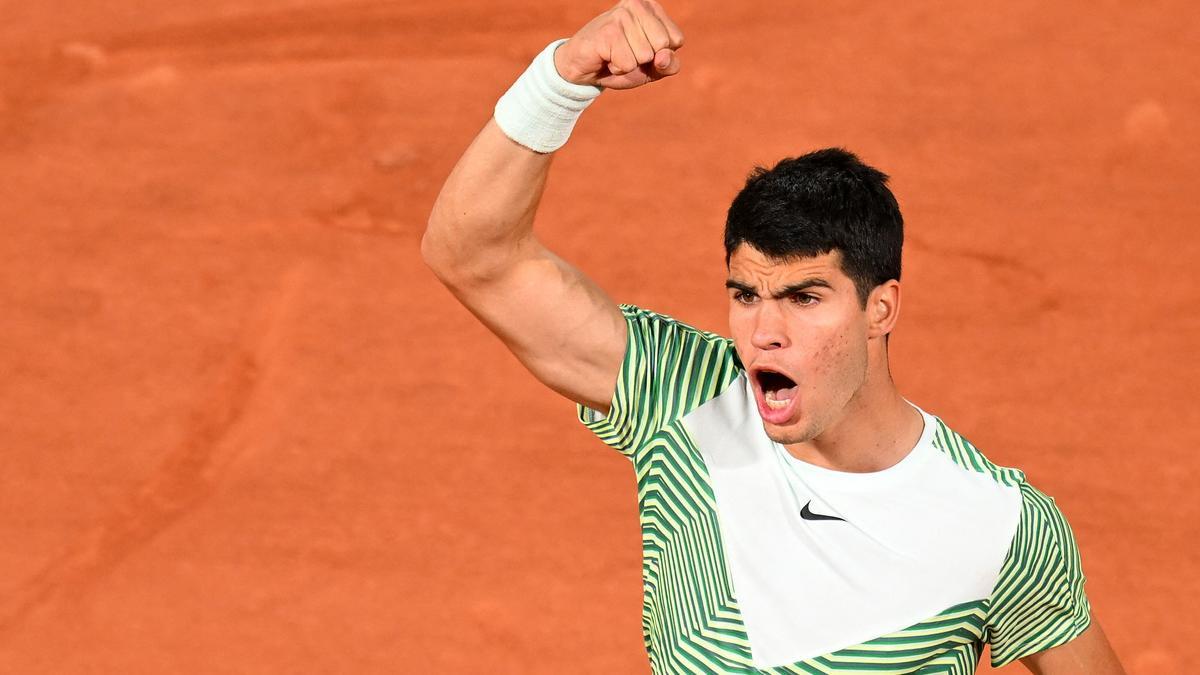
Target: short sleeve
{"type": "Point", "coordinates": [1039, 600]}
{"type": "Point", "coordinates": [669, 368]}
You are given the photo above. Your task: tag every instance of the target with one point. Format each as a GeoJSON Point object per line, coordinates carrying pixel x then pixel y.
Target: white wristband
{"type": "Point", "coordinates": [540, 109]}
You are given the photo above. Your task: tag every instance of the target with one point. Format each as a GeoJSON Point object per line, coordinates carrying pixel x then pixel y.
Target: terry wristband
{"type": "Point", "coordinates": [540, 109]}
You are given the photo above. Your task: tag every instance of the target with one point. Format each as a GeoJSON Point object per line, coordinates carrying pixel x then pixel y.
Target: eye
{"type": "Point", "coordinates": [743, 297]}
{"type": "Point", "coordinates": [804, 299]}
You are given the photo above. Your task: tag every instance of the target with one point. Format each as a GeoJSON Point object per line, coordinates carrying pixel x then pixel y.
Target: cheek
{"type": "Point", "coordinates": [741, 330]}
{"type": "Point", "coordinates": [839, 356]}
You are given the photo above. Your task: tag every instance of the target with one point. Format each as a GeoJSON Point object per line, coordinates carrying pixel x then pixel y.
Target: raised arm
{"type": "Point", "coordinates": [480, 241]}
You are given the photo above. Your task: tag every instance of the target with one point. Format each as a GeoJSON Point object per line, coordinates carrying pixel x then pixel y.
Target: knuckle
{"type": "Point", "coordinates": [659, 10]}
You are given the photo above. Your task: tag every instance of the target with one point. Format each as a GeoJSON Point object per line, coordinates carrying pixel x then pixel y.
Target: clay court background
{"type": "Point", "coordinates": [245, 430]}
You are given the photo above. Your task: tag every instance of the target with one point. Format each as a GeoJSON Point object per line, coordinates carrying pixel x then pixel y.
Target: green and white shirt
{"type": "Point", "coordinates": [906, 570]}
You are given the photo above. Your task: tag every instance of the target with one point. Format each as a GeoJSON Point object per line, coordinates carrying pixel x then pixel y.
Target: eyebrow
{"type": "Point", "coordinates": [786, 291]}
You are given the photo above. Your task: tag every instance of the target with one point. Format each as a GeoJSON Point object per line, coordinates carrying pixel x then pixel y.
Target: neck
{"type": "Point", "coordinates": [877, 428]}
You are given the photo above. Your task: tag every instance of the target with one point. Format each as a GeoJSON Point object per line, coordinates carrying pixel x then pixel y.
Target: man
{"type": "Point", "coordinates": [798, 514]}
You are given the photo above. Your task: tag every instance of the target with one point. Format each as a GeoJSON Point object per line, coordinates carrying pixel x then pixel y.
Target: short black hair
{"type": "Point", "coordinates": [810, 205]}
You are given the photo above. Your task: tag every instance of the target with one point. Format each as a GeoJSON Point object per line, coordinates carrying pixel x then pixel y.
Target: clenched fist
{"type": "Point", "coordinates": [625, 47]}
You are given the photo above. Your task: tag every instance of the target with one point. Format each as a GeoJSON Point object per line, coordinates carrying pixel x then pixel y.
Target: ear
{"type": "Point", "coordinates": [883, 308]}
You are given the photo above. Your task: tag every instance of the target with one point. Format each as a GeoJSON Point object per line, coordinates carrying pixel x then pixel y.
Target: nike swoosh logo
{"type": "Point", "coordinates": [806, 514]}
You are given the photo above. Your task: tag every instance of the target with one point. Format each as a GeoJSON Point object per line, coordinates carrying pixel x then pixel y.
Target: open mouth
{"type": "Point", "coordinates": [778, 389]}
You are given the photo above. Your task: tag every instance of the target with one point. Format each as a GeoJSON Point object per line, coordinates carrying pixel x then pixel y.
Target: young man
{"type": "Point", "coordinates": [798, 514]}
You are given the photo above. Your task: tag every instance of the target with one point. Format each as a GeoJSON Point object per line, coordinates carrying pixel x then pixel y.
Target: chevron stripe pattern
{"type": "Point", "coordinates": [1039, 600]}
{"type": "Point", "coordinates": [690, 617]}
{"type": "Point", "coordinates": [668, 370]}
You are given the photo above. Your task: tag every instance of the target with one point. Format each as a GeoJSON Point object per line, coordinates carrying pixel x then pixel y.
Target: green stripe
{"type": "Point", "coordinates": [691, 622]}
{"type": "Point", "coordinates": [1038, 601]}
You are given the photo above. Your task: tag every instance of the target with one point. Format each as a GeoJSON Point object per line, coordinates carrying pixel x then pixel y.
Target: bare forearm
{"type": "Point", "coordinates": [483, 217]}
{"type": "Point", "coordinates": [482, 221]}
{"type": "Point", "coordinates": [479, 241]}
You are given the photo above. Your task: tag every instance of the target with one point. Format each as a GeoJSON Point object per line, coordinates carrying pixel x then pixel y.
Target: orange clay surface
{"type": "Point", "coordinates": [245, 430]}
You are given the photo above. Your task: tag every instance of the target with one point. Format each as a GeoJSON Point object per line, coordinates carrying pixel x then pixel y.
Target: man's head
{"type": "Point", "coordinates": [813, 249]}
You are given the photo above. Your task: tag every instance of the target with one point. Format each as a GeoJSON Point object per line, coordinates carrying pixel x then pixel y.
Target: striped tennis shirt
{"type": "Point", "coordinates": [754, 561]}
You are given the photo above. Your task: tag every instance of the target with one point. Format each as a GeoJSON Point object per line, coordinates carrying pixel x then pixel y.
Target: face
{"type": "Point", "coordinates": [799, 330]}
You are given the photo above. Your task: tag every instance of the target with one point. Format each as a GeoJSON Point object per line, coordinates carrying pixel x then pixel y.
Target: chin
{"type": "Point", "coordinates": [792, 433]}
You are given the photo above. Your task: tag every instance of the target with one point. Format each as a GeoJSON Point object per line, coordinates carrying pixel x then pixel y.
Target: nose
{"type": "Point", "coordinates": [770, 329]}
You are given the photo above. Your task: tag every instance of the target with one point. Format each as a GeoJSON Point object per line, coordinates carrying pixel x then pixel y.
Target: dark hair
{"type": "Point", "coordinates": [813, 204]}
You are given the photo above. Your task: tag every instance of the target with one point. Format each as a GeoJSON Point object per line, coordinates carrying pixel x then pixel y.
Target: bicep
{"type": "Point", "coordinates": [1087, 654]}
{"type": "Point", "coordinates": [558, 323]}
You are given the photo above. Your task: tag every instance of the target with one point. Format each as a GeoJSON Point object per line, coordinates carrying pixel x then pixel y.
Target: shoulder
{"type": "Point", "coordinates": [1038, 599]}
{"type": "Point", "coordinates": [1039, 512]}
{"type": "Point", "coordinates": [674, 347]}
{"type": "Point", "coordinates": [669, 368]}
{"type": "Point", "coordinates": [967, 456]}
{"type": "Point", "coordinates": [663, 325]}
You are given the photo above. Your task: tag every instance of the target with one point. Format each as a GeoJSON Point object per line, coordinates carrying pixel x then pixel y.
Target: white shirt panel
{"type": "Point", "coordinates": [918, 537]}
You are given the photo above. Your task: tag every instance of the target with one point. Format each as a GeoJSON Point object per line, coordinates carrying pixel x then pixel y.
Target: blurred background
{"type": "Point", "coordinates": [245, 430]}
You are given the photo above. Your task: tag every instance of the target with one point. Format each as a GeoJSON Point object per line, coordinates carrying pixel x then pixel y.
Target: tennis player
{"type": "Point", "coordinates": [799, 515]}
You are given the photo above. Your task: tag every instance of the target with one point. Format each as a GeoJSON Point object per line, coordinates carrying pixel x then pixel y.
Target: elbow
{"type": "Point", "coordinates": [461, 258]}
{"type": "Point", "coordinates": [455, 265]}
{"type": "Point", "coordinates": [430, 253]}
{"type": "Point", "coordinates": [437, 242]}
{"type": "Point", "coordinates": [437, 254]}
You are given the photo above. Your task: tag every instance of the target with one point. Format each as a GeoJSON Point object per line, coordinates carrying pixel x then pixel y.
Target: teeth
{"type": "Point", "coordinates": [774, 403]}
